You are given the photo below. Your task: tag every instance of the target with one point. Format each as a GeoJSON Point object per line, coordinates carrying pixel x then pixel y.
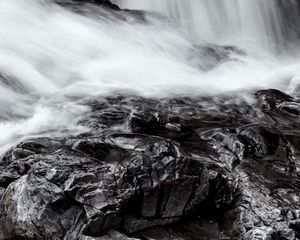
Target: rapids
{"type": "Point", "coordinates": [52, 58]}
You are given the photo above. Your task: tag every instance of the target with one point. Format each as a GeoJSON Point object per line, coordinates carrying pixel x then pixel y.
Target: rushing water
{"type": "Point", "coordinates": [265, 23]}
{"type": "Point", "coordinates": [52, 57]}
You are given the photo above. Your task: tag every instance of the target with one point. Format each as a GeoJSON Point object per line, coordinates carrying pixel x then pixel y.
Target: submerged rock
{"type": "Point", "coordinates": [160, 169]}
{"type": "Point", "coordinates": [208, 56]}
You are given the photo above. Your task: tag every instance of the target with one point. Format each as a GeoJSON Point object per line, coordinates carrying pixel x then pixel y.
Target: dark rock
{"type": "Point", "coordinates": [269, 100]}
{"type": "Point", "coordinates": [186, 167]}
{"type": "Point", "coordinates": [102, 3]}
{"type": "Point", "coordinates": [100, 186]}
{"type": "Point", "coordinates": [102, 10]}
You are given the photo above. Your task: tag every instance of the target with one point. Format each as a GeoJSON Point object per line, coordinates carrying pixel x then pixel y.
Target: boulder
{"type": "Point", "coordinates": [160, 169]}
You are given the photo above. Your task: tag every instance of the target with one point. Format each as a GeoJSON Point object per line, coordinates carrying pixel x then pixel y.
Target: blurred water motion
{"type": "Point", "coordinates": [52, 57]}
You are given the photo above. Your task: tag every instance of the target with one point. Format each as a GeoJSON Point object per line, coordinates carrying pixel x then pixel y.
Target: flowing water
{"type": "Point", "coordinates": [219, 21]}
{"type": "Point", "coordinates": [52, 57]}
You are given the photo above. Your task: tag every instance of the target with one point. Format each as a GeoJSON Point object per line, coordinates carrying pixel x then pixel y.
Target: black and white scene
{"type": "Point", "coordinates": [149, 119]}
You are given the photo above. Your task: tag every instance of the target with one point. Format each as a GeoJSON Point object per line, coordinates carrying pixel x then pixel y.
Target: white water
{"type": "Point", "coordinates": [219, 21]}
{"type": "Point", "coordinates": [56, 56]}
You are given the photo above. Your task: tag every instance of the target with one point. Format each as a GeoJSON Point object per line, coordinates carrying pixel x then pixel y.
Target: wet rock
{"type": "Point", "coordinates": [103, 10]}
{"type": "Point", "coordinates": [261, 140]}
{"type": "Point", "coordinates": [154, 163]}
{"type": "Point", "coordinates": [269, 99]}
{"type": "Point", "coordinates": [101, 149]}
{"type": "Point", "coordinates": [200, 228]}
{"type": "Point", "coordinates": [98, 186]}
{"type": "Point", "coordinates": [145, 122]}
{"type": "Point", "coordinates": [111, 235]}
{"type": "Point", "coordinates": [279, 107]}
{"type": "Point", "coordinates": [227, 147]}
{"type": "Point", "coordinates": [102, 3]}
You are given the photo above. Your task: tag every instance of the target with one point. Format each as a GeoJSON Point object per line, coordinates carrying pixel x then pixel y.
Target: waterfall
{"type": "Point", "coordinates": [52, 56]}
{"type": "Point", "coordinates": [268, 23]}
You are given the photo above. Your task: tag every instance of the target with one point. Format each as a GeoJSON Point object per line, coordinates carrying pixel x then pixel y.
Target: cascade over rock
{"type": "Point", "coordinates": [171, 119]}
{"type": "Point", "coordinates": [149, 163]}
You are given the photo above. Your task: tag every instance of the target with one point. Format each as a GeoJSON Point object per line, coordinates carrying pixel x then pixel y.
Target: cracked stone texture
{"type": "Point", "coordinates": [148, 164]}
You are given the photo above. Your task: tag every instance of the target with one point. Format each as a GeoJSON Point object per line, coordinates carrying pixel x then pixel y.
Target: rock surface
{"type": "Point", "coordinates": [220, 168]}
{"type": "Point", "coordinates": [103, 3]}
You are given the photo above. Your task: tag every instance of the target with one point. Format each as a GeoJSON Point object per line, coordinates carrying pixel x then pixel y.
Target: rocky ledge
{"type": "Point", "coordinates": [80, 3]}
{"type": "Point", "coordinates": [171, 168]}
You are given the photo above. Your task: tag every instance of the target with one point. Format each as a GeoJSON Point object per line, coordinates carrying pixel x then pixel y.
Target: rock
{"type": "Point", "coordinates": [269, 99]}
{"type": "Point", "coordinates": [111, 235]}
{"type": "Point", "coordinates": [146, 122]}
{"type": "Point", "coordinates": [98, 186]}
{"type": "Point", "coordinates": [160, 164]}
{"type": "Point", "coordinates": [103, 10]}
{"type": "Point", "coordinates": [103, 3]}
